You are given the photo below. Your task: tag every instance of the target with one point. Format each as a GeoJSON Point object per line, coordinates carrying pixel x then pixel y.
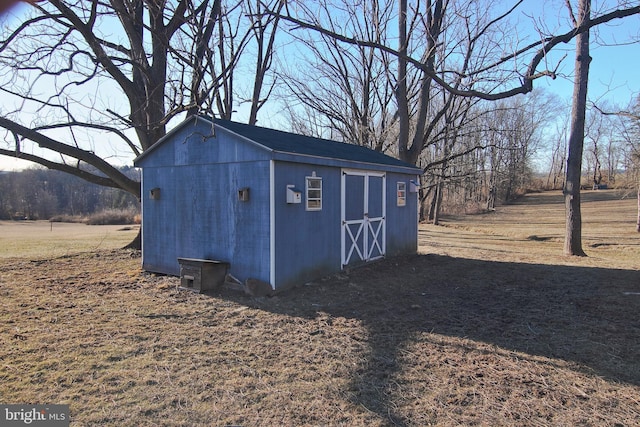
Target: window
{"type": "Point", "coordinates": [314, 193]}
{"type": "Point", "coordinates": [401, 194]}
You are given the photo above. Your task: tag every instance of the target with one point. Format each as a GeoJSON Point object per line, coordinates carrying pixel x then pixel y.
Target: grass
{"type": "Point", "coordinates": [485, 326]}
{"type": "Point", "coordinates": [533, 229]}
{"type": "Point", "coordinates": [38, 239]}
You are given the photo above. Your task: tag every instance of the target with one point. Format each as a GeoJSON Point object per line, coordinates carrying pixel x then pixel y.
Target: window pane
{"type": "Point", "coordinates": [314, 193]}
{"type": "Point", "coordinates": [401, 194]}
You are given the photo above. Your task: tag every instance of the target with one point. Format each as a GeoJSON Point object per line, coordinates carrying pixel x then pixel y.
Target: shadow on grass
{"type": "Point", "coordinates": [556, 197]}
{"type": "Point", "coordinates": [584, 315]}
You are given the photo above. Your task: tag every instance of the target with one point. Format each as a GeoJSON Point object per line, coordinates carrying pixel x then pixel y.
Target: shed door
{"type": "Point", "coordinates": [363, 216]}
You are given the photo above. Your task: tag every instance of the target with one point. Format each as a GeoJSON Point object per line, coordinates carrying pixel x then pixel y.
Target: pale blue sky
{"type": "Point", "coordinates": [614, 69]}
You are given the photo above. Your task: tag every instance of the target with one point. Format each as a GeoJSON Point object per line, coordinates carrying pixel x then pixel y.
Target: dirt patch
{"type": "Point", "coordinates": [481, 328]}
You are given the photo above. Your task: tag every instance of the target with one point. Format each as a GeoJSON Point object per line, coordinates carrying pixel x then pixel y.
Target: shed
{"type": "Point", "coordinates": [274, 206]}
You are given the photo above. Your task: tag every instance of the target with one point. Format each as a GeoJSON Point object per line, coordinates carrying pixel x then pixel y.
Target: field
{"type": "Point", "coordinates": [488, 325]}
{"type": "Point", "coordinates": [43, 239]}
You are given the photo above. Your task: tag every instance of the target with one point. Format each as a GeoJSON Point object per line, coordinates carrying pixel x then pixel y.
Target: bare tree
{"type": "Point", "coordinates": [630, 135]}
{"type": "Point", "coordinates": [517, 65]}
{"type": "Point", "coordinates": [604, 144]}
{"type": "Point", "coordinates": [90, 82]}
{"type": "Point", "coordinates": [459, 49]}
{"type": "Point", "coordinates": [66, 47]}
{"type": "Point", "coordinates": [76, 68]}
{"type": "Point", "coordinates": [489, 153]}
{"type": "Point", "coordinates": [348, 88]}
{"type": "Point", "coordinates": [573, 231]}
{"type": "Point", "coordinates": [555, 178]}
{"type": "Point", "coordinates": [264, 28]}
{"type": "Point", "coordinates": [374, 97]}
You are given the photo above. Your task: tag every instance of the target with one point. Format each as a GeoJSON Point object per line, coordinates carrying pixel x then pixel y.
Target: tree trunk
{"type": "Point", "coordinates": [638, 223]}
{"type": "Point", "coordinates": [136, 243]}
{"type": "Point", "coordinates": [437, 203]}
{"type": "Point", "coordinates": [573, 232]}
{"type": "Point", "coordinates": [432, 205]}
{"type": "Point", "coordinates": [491, 197]}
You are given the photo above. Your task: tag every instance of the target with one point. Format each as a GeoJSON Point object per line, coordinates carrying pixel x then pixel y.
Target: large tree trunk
{"type": "Point", "coordinates": [136, 243]}
{"type": "Point", "coordinates": [573, 232]}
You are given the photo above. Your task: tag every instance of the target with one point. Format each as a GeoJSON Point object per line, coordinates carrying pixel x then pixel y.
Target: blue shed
{"type": "Point", "coordinates": [278, 207]}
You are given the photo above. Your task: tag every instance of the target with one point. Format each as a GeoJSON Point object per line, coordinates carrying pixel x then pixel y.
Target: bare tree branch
{"type": "Point", "coordinates": [543, 46]}
{"type": "Point", "coordinates": [86, 156]}
{"type": "Point", "coordinates": [87, 176]}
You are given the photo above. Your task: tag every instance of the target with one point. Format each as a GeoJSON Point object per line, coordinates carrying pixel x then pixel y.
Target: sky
{"type": "Point", "coordinates": [613, 69]}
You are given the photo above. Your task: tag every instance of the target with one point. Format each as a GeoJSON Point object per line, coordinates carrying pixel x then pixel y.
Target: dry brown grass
{"type": "Point", "coordinates": [486, 326]}
{"type": "Point", "coordinates": [44, 239]}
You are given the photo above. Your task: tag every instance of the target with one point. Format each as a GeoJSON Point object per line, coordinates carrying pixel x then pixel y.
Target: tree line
{"type": "Point", "coordinates": [43, 194]}
{"type": "Point", "coordinates": [521, 144]}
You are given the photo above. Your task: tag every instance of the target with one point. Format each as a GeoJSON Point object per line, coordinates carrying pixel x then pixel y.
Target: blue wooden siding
{"type": "Point", "coordinates": [375, 209]}
{"type": "Point", "coordinates": [354, 206]}
{"type": "Point", "coordinates": [159, 221]}
{"type": "Point", "coordinates": [194, 144]}
{"type": "Point", "coordinates": [402, 221]}
{"type": "Point", "coordinates": [307, 244]}
{"type": "Point", "coordinates": [199, 214]}
{"type": "Point", "coordinates": [217, 225]}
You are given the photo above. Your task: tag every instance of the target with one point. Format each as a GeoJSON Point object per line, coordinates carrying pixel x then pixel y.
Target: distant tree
{"type": "Point", "coordinates": [558, 160]}
{"type": "Point", "coordinates": [629, 131]}
{"type": "Point", "coordinates": [604, 142]}
{"type": "Point", "coordinates": [39, 193]}
{"type": "Point", "coordinates": [633, 148]}
{"type": "Point", "coordinates": [516, 126]}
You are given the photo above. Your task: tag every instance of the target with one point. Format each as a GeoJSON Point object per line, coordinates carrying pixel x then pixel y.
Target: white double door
{"type": "Point", "coordinates": [363, 216]}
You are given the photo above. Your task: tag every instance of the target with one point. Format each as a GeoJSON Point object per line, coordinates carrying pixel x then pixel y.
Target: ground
{"type": "Point", "coordinates": [489, 324]}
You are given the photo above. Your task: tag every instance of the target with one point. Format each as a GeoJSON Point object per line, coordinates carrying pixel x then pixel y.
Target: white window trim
{"type": "Point", "coordinates": [307, 198]}
{"type": "Point", "coordinates": [401, 200]}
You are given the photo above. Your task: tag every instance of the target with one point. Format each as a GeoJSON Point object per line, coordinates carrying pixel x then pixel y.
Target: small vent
{"type": "Point", "coordinates": [243, 194]}
{"type": "Point", "coordinates": [154, 193]}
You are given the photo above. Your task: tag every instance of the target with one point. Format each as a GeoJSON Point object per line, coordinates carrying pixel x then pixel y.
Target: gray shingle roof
{"type": "Point", "coordinates": [294, 144]}
{"type": "Point", "coordinates": [287, 142]}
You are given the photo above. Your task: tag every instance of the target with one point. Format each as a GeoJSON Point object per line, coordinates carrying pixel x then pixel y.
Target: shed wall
{"type": "Point", "coordinates": [402, 221]}
{"type": "Point", "coordinates": [198, 213]}
{"type": "Point", "coordinates": [307, 243]}
{"type": "Point", "coordinates": [195, 144]}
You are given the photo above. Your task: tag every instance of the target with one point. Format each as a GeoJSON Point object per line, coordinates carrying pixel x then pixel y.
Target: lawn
{"type": "Point", "coordinates": [489, 324]}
